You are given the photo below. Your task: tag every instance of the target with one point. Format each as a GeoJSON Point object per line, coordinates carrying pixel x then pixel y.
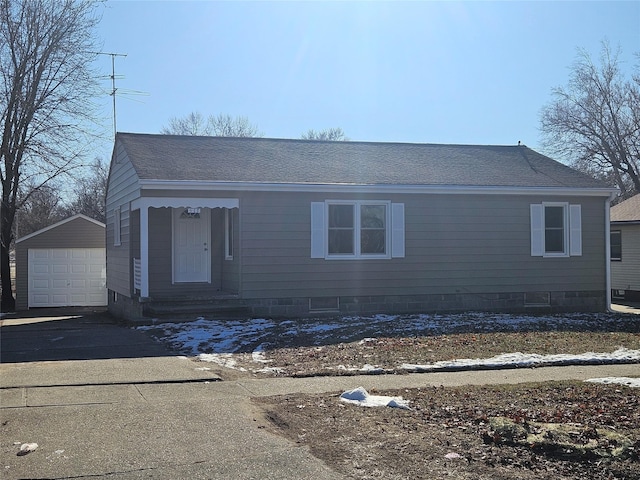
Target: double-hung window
{"type": "Point", "coordinates": [359, 229]}
{"type": "Point", "coordinates": [616, 245]}
{"type": "Point", "coordinates": [556, 229]}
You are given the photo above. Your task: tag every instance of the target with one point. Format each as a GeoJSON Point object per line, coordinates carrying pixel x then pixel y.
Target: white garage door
{"type": "Point", "coordinates": [60, 277]}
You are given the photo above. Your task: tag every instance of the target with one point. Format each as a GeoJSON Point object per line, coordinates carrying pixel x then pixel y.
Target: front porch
{"type": "Point", "coordinates": [186, 259]}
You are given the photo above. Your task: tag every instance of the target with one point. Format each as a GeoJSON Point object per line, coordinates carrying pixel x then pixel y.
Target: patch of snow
{"type": "Point", "coordinates": [273, 370]}
{"type": "Point", "coordinates": [223, 359]}
{"type": "Point", "coordinates": [366, 369]}
{"type": "Point", "coordinates": [361, 397]}
{"type": "Point", "coordinates": [517, 359]}
{"type": "Point", "coordinates": [628, 381]}
{"type": "Point", "coordinates": [258, 355]}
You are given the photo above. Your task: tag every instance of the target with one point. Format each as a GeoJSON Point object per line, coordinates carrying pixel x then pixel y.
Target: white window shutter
{"type": "Point", "coordinates": [537, 230]}
{"type": "Point", "coordinates": [397, 230]}
{"type": "Point", "coordinates": [575, 230]}
{"type": "Point", "coordinates": [317, 230]}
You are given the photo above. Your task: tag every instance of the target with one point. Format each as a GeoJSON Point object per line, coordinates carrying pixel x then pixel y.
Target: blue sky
{"type": "Point", "coordinates": [428, 72]}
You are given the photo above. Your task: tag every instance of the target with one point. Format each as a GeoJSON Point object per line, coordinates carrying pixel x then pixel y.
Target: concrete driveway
{"type": "Point", "coordinates": [101, 400]}
{"type": "Point", "coordinates": [70, 334]}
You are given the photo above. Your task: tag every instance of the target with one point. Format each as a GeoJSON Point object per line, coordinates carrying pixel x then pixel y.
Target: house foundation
{"type": "Point", "coordinates": [519, 302]}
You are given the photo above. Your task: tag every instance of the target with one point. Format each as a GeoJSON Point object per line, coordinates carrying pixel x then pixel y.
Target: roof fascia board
{"type": "Point", "coordinates": [191, 185]}
{"type": "Point", "coordinates": [56, 225]}
{"type": "Point", "coordinates": [625, 222]}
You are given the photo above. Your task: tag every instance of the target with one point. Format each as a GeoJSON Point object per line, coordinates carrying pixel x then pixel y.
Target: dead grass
{"type": "Point", "coordinates": [578, 429]}
{"type": "Point", "coordinates": [451, 432]}
{"type": "Point", "coordinates": [389, 353]}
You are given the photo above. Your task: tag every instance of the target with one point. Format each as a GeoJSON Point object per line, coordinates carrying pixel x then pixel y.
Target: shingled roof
{"type": "Point", "coordinates": [281, 161]}
{"type": "Point", "coordinates": [627, 211]}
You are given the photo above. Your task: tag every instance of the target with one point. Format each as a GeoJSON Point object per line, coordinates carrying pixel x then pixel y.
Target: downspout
{"type": "Point", "coordinates": [607, 248]}
{"type": "Point", "coordinates": [144, 253]}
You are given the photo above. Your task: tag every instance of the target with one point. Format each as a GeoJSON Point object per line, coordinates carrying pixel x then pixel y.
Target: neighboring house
{"type": "Point", "coordinates": [625, 249]}
{"type": "Point", "coordinates": [62, 265]}
{"type": "Point", "coordinates": [297, 227]}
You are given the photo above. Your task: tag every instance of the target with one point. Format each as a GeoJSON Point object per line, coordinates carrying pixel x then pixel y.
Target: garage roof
{"type": "Point", "coordinates": [76, 217]}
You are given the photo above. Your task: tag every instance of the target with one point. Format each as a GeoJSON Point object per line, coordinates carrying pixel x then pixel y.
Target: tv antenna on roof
{"type": "Point", "coordinates": [114, 90]}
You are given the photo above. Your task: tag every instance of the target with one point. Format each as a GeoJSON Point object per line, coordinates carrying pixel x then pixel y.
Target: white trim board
{"type": "Point", "coordinates": [193, 185]}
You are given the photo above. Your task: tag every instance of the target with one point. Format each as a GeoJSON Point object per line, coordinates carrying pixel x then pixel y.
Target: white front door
{"type": "Point", "coordinates": [191, 245]}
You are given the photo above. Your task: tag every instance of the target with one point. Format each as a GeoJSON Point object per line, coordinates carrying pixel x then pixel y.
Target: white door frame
{"type": "Point", "coordinates": [204, 218]}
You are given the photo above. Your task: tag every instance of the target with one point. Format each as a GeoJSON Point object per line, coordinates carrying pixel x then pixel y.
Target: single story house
{"type": "Point", "coordinates": [62, 265]}
{"type": "Point", "coordinates": [625, 249]}
{"type": "Point", "coordinates": [299, 227]}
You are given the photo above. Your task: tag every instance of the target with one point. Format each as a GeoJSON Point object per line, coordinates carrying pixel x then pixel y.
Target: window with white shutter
{"type": "Point", "coordinates": [556, 229]}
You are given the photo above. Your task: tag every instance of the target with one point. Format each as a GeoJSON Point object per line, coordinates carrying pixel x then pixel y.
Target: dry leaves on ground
{"type": "Point", "coordinates": [452, 432]}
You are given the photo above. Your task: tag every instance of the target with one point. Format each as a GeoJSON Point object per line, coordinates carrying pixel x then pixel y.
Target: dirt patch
{"type": "Point", "coordinates": [453, 432]}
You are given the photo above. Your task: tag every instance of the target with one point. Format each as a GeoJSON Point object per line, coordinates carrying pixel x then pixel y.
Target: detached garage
{"type": "Point", "coordinates": [62, 265]}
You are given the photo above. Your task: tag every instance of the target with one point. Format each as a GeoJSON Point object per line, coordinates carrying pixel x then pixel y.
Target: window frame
{"type": "Point", "coordinates": [565, 228]}
{"type": "Point", "coordinates": [117, 227]}
{"type": "Point", "coordinates": [619, 244]}
{"type": "Point", "coordinates": [357, 230]}
{"type": "Point", "coordinates": [229, 225]}
{"type": "Point", "coordinates": [572, 226]}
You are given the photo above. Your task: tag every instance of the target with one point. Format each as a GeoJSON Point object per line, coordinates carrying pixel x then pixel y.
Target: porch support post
{"type": "Point", "coordinates": [144, 252]}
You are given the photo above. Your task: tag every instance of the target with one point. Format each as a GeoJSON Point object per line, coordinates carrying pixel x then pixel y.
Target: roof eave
{"type": "Point", "coordinates": [625, 222]}
{"type": "Point", "coordinates": [191, 185]}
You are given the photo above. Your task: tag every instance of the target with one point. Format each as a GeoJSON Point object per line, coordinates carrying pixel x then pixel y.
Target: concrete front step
{"type": "Point", "coordinates": [209, 308]}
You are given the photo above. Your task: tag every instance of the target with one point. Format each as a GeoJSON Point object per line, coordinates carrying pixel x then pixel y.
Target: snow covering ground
{"type": "Point", "coordinates": [519, 360]}
{"type": "Point", "coordinates": [217, 341]}
{"type": "Point", "coordinates": [629, 382]}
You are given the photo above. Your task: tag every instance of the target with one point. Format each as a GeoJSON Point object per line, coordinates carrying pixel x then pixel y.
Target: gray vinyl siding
{"type": "Point", "coordinates": [77, 233]}
{"type": "Point", "coordinates": [123, 188]}
{"type": "Point", "coordinates": [454, 244]}
{"type": "Point", "coordinates": [625, 274]}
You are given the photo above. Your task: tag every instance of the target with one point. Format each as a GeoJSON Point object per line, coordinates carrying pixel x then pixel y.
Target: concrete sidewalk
{"type": "Point", "coordinates": [162, 418]}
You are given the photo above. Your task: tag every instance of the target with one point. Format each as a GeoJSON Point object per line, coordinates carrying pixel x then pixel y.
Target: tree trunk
{"type": "Point", "coordinates": [8, 302]}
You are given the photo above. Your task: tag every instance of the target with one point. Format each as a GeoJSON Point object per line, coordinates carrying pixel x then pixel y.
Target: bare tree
{"type": "Point", "coordinates": [42, 207]}
{"type": "Point", "coordinates": [594, 122]}
{"type": "Point", "coordinates": [192, 124]}
{"type": "Point", "coordinates": [46, 86]}
{"type": "Point", "coordinates": [227, 126]}
{"type": "Point", "coordinates": [89, 193]}
{"type": "Point", "coordinates": [221, 125]}
{"type": "Point", "coordinates": [328, 134]}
